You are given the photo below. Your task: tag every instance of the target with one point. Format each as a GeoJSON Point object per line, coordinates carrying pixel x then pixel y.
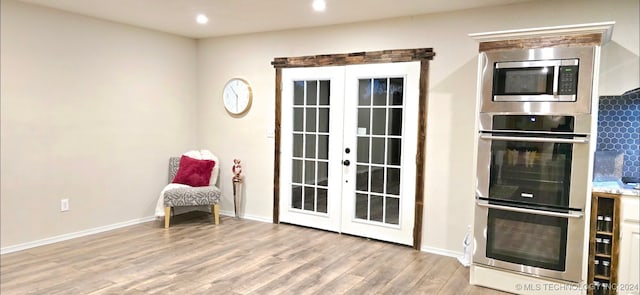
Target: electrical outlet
{"type": "Point", "coordinates": [271, 132]}
{"type": "Point", "coordinates": [64, 205]}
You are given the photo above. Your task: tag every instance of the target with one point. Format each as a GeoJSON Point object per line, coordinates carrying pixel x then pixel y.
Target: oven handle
{"type": "Point", "coordinates": [530, 211]}
{"type": "Point", "coordinates": [534, 139]}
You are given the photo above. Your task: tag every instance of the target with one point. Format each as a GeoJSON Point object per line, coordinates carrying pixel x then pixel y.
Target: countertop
{"type": "Point", "coordinates": [615, 187]}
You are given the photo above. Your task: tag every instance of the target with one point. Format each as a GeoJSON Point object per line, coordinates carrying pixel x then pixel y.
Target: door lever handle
{"type": "Point", "coordinates": [346, 162]}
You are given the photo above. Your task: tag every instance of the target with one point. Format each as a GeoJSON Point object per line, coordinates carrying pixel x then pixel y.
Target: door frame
{"type": "Point", "coordinates": [423, 55]}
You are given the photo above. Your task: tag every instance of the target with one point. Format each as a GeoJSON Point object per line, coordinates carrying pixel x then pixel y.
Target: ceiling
{"type": "Point", "coordinates": [232, 17]}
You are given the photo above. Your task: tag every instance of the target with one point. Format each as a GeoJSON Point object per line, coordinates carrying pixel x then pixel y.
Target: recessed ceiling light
{"type": "Point", "coordinates": [319, 5]}
{"type": "Point", "coordinates": [202, 19]}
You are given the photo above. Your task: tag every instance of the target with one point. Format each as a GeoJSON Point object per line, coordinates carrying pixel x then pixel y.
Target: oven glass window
{"type": "Point", "coordinates": [532, 172]}
{"type": "Point", "coordinates": [527, 239]}
{"type": "Point", "coordinates": [523, 81]}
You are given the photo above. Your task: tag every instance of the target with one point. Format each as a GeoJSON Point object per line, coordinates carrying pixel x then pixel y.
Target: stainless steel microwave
{"type": "Point", "coordinates": [541, 80]}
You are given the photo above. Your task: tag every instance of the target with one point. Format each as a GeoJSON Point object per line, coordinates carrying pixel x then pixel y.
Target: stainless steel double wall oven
{"type": "Point", "coordinates": [532, 170]}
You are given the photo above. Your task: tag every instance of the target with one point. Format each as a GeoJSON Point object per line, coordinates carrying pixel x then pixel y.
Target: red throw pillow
{"type": "Point", "coordinates": [194, 172]}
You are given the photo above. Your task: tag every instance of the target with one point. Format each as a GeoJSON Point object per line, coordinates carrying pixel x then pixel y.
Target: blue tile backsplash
{"type": "Point", "coordinates": [619, 129]}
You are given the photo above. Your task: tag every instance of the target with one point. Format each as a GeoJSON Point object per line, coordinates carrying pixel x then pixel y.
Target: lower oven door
{"type": "Point", "coordinates": [534, 242]}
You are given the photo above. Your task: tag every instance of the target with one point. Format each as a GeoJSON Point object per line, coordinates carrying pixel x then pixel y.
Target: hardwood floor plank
{"type": "Point", "coordinates": [408, 278]}
{"type": "Point", "coordinates": [433, 280]}
{"type": "Point", "coordinates": [325, 275]}
{"type": "Point", "coordinates": [262, 276]}
{"type": "Point", "coordinates": [456, 283]}
{"type": "Point", "coordinates": [194, 256]}
{"type": "Point", "coordinates": [282, 284]}
{"type": "Point", "coordinates": [340, 285]}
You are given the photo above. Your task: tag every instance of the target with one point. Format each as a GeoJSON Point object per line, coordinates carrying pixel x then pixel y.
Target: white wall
{"type": "Point", "coordinates": [449, 177]}
{"type": "Point", "coordinates": [91, 111]}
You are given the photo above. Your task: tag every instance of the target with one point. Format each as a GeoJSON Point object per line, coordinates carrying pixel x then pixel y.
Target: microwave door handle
{"type": "Point", "coordinates": [556, 73]}
{"type": "Point", "coordinates": [530, 211]}
{"type": "Point", "coordinates": [535, 139]}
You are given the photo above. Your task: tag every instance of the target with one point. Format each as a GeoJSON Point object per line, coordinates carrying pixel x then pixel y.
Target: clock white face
{"type": "Point", "coordinates": [237, 96]}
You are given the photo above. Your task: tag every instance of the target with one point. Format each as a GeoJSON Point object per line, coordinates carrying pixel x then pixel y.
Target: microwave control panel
{"type": "Point", "coordinates": [567, 80]}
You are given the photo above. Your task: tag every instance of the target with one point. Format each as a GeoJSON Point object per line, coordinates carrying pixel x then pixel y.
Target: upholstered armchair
{"type": "Point", "coordinates": [176, 195]}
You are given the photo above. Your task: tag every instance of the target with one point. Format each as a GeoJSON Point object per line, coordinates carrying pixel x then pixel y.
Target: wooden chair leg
{"type": "Point", "coordinates": [167, 216]}
{"type": "Point", "coordinates": [215, 210]}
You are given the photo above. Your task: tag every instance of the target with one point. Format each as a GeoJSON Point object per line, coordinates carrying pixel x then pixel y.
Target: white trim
{"type": "Point", "coordinates": [605, 28]}
{"type": "Point", "coordinates": [443, 252]}
{"type": "Point", "coordinates": [227, 213]}
{"type": "Point", "coordinates": [245, 216]}
{"type": "Point", "coordinates": [69, 236]}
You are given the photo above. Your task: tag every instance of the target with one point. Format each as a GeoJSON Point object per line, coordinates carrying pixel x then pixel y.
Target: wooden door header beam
{"type": "Point", "coordinates": [542, 42]}
{"type": "Point", "coordinates": [593, 34]}
{"type": "Point", "coordinates": [355, 58]}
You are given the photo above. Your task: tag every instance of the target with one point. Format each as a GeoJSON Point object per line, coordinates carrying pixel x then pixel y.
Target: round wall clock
{"type": "Point", "coordinates": [237, 96]}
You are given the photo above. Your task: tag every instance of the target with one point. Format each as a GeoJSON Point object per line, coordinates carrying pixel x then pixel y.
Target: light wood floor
{"type": "Point", "coordinates": [236, 257]}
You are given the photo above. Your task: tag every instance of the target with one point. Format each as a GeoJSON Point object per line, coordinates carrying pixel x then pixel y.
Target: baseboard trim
{"type": "Point", "coordinates": [246, 216]}
{"type": "Point", "coordinates": [69, 236]}
{"type": "Point", "coordinates": [443, 252]}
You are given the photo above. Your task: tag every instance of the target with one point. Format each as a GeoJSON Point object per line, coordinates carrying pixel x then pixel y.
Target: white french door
{"type": "Point", "coordinates": [349, 137]}
{"type": "Point", "coordinates": [380, 126]}
{"type": "Point", "coordinates": [310, 169]}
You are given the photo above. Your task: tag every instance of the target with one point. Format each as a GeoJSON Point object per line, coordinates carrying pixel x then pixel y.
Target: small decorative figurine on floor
{"type": "Point", "coordinates": [237, 170]}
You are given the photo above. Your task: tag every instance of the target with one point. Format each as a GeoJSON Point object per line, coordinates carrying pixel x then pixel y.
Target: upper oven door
{"type": "Point", "coordinates": [533, 168]}
{"type": "Point", "coordinates": [534, 80]}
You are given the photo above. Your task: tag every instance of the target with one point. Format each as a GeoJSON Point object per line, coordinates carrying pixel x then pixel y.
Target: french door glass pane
{"type": "Point", "coordinates": [379, 92]}
{"type": "Point", "coordinates": [311, 120]}
{"type": "Point", "coordinates": [309, 172]}
{"type": "Point", "coordinates": [323, 120]}
{"type": "Point", "coordinates": [298, 93]}
{"type": "Point", "coordinates": [309, 198]}
{"type": "Point", "coordinates": [298, 119]}
{"type": "Point", "coordinates": [363, 121]}
{"type": "Point", "coordinates": [296, 196]}
{"type": "Point", "coordinates": [394, 151]}
{"type": "Point", "coordinates": [379, 121]}
{"type": "Point", "coordinates": [362, 206]}
{"type": "Point", "coordinates": [310, 166]}
{"type": "Point", "coordinates": [395, 91]}
{"type": "Point", "coordinates": [364, 92]}
{"type": "Point", "coordinates": [377, 207]}
{"type": "Point", "coordinates": [362, 178]}
{"type": "Point", "coordinates": [322, 200]}
{"type": "Point", "coordinates": [312, 93]}
{"type": "Point", "coordinates": [323, 173]}
{"type": "Point", "coordinates": [297, 145]}
{"type": "Point", "coordinates": [297, 171]}
{"type": "Point", "coordinates": [395, 122]}
{"type": "Point", "coordinates": [310, 146]}
{"type": "Point", "coordinates": [377, 179]}
{"type": "Point", "coordinates": [393, 181]}
{"type": "Point", "coordinates": [323, 98]}
{"type": "Point", "coordinates": [323, 147]}
{"type": "Point", "coordinates": [392, 213]}
{"type": "Point", "coordinates": [379, 150]}
{"type": "Point", "coordinates": [363, 149]}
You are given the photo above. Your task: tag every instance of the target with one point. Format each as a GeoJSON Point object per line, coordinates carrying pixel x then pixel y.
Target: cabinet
{"type": "Point", "coordinates": [604, 243]}
{"type": "Point", "coordinates": [629, 266]}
